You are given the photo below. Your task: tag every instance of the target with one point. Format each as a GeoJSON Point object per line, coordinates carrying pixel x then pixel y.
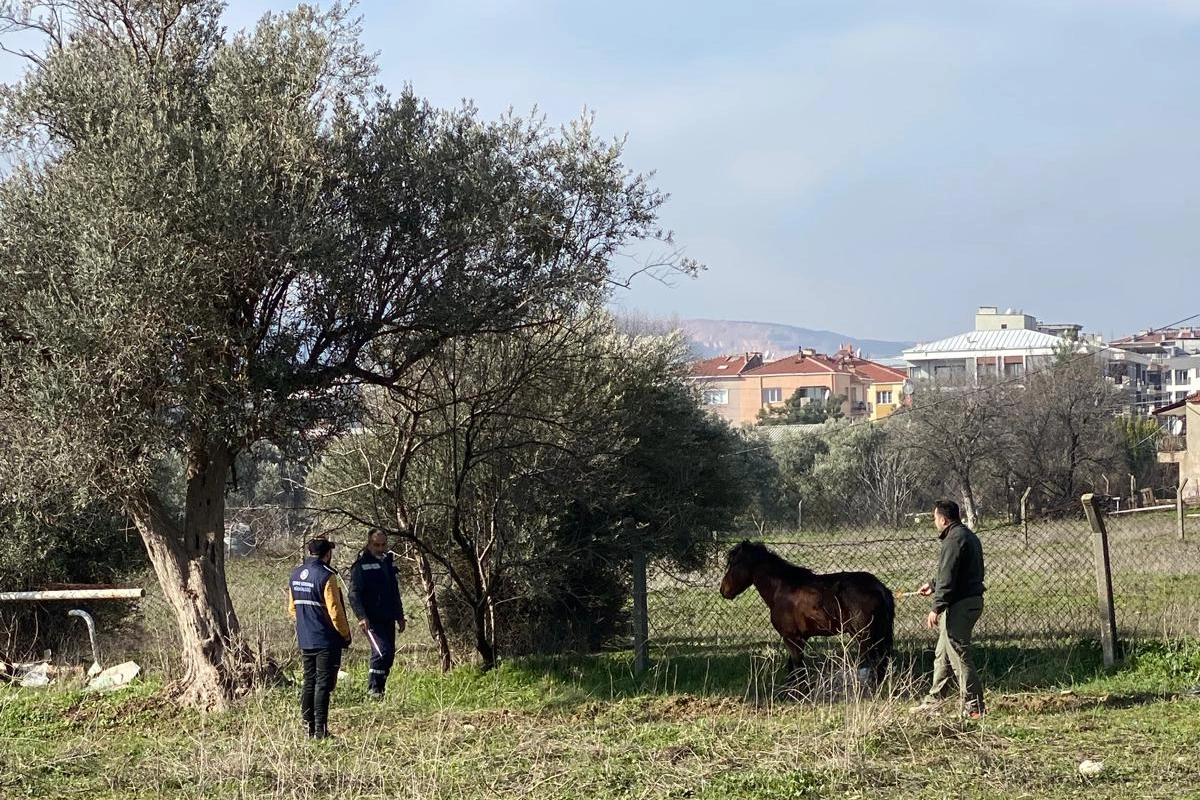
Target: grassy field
{"type": "Point", "coordinates": [705, 722]}
{"type": "Point", "coordinates": [698, 725]}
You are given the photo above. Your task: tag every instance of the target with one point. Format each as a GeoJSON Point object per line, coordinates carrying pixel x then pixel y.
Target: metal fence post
{"type": "Point", "coordinates": [1179, 509]}
{"type": "Point", "coordinates": [641, 615]}
{"type": "Point", "coordinates": [1104, 590]}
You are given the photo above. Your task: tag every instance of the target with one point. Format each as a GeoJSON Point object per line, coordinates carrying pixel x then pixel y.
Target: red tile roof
{"type": "Point", "coordinates": [725, 366]}
{"type": "Point", "coordinates": [1158, 337]}
{"type": "Point", "coordinates": [798, 364]}
{"type": "Point", "coordinates": [877, 373]}
{"type": "Point", "coordinates": [820, 364]}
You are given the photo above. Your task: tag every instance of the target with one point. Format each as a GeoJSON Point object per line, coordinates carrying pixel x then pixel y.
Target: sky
{"type": "Point", "coordinates": [874, 168]}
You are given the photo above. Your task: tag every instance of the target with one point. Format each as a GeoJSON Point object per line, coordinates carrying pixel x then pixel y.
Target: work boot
{"type": "Point", "coordinates": [925, 707]}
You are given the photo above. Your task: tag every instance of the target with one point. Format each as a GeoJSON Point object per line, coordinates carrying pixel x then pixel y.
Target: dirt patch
{"type": "Point", "coordinates": [137, 710]}
{"type": "Point", "coordinates": [1069, 701]}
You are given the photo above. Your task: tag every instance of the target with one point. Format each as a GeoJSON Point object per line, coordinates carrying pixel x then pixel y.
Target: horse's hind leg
{"type": "Point", "coordinates": [874, 653]}
{"type": "Point", "coordinates": [866, 673]}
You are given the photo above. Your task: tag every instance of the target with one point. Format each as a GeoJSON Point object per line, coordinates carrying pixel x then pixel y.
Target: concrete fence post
{"type": "Point", "coordinates": [1104, 590]}
{"type": "Point", "coordinates": [1179, 507]}
{"type": "Point", "coordinates": [1025, 514]}
{"type": "Point", "coordinates": [641, 615]}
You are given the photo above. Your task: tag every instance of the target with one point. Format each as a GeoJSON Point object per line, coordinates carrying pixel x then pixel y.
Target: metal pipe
{"type": "Point", "coordinates": [91, 626]}
{"type": "Point", "coordinates": [73, 594]}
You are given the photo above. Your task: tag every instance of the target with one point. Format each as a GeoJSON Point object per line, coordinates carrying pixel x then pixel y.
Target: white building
{"type": "Point", "coordinates": [1180, 377]}
{"type": "Point", "coordinates": [982, 355]}
{"type": "Point", "coordinates": [1009, 345]}
{"type": "Point", "coordinates": [1175, 357]}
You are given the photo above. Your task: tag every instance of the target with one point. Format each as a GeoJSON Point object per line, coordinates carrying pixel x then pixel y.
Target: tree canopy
{"type": "Point", "coordinates": [212, 240]}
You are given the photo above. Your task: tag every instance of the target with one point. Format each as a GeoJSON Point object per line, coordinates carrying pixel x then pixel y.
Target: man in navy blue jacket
{"type": "Point", "coordinates": [322, 630]}
{"type": "Point", "coordinates": [375, 598]}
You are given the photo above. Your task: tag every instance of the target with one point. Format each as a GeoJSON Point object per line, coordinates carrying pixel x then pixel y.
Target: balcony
{"type": "Point", "coordinates": [1172, 448]}
{"type": "Point", "coordinates": [1172, 443]}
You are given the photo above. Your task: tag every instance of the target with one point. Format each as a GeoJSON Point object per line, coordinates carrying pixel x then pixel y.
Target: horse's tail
{"type": "Point", "coordinates": [882, 632]}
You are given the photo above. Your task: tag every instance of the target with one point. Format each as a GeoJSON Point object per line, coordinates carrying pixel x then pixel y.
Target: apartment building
{"type": "Point", "coordinates": [738, 387]}
{"type": "Point", "coordinates": [1010, 344]}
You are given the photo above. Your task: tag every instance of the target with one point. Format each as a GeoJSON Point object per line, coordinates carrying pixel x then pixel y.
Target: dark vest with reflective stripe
{"type": "Point", "coordinates": [314, 628]}
{"type": "Point", "coordinates": [374, 594]}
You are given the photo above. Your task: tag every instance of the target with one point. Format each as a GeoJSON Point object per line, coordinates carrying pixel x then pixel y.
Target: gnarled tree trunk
{"type": "Point", "coordinates": [189, 563]}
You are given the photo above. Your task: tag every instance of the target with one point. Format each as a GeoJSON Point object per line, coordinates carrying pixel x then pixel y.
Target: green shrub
{"type": "Point", "coordinates": [59, 545]}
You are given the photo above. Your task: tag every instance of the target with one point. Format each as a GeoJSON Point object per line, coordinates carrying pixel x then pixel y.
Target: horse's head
{"type": "Point", "coordinates": [739, 570]}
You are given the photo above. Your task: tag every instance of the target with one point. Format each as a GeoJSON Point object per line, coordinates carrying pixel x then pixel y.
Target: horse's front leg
{"type": "Point", "coordinates": [797, 678]}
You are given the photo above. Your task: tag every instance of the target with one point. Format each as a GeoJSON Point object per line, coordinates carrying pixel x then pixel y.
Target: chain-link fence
{"type": "Point", "coordinates": [1155, 573]}
{"type": "Point", "coordinates": [258, 587]}
{"type": "Point", "coordinates": [1041, 581]}
{"type": "Point", "coordinates": [1041, 587]}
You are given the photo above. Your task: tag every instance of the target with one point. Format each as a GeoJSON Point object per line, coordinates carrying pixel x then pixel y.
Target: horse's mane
{"type": "Point", "coordinates": [779, 565]}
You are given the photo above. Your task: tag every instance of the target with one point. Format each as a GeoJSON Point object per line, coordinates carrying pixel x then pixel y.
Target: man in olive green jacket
{"type": "Point", "coordinates": [957, 604]}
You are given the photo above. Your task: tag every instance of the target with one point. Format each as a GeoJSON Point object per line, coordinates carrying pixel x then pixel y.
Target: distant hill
{"type": "Point", "coordinates": [714, 337]}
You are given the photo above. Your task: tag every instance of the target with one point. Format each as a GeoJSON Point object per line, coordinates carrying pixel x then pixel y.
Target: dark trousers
{"type": "Point", "coordinates": [320, 677]}
{"type": "Point", "coordinates": [383, 652]}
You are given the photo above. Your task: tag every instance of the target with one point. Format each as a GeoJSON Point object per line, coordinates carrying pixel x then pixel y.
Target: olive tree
{"type": "Point", "coordinates": [512, 466]}
{"type": "Point", "coordinates": [212, 240]}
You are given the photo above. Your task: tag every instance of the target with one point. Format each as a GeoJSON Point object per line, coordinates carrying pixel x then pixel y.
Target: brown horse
{"type": "Point", "coordinates": [805, 604]}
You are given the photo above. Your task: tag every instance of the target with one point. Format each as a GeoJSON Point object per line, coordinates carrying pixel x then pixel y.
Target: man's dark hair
{"type": "Point", "coordinates": [319, 547]}
{"type": "Point", "coordinates": [376, 532]}
{"type": "Point", "coordinates": [949, 510]}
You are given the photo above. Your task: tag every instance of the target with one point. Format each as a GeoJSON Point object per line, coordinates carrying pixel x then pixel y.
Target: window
{"type": "Point", "coordinates": [772, 395]}
{"type": "Point", "coordinates": [883, 398]}
{"type": "Point", "coordinates": [950, 372]}
{"type": "Point", "coordinates": [1181, 376]}
{"type": "Point", "coordinates": [1014, 370]}
{"type": "Point", "coordinates": [716, 397]}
